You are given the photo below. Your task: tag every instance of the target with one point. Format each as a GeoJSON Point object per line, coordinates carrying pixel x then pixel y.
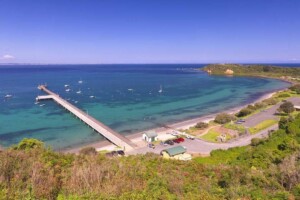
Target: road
{"type": "Point", "coordinates": [268, 113]}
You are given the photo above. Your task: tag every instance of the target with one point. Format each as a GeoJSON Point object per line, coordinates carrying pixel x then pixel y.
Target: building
{"type": "Point", "coordinates": [177, 153]}
{"type": "Point", "coordinates": [150, 136]}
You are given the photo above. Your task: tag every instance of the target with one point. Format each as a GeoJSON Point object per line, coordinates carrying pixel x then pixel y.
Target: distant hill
{"type": "Point", "coordinates": [292, 73]}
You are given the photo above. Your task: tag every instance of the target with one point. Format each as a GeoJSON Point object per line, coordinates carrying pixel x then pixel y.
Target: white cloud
{"type": "Point", "coordinates": [7, 57]}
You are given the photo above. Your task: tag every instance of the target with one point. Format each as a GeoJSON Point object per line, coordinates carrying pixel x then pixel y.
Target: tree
{"type": "Point", "coordinates": [286, 107]}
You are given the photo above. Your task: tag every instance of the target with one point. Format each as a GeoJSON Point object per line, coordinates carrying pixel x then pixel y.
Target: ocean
{"type": "Point", "coordinates": [127, 98]}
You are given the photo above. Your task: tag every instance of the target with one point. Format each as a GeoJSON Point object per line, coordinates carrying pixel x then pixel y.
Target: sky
{"type": "Point", "coordinates": [149, 31]}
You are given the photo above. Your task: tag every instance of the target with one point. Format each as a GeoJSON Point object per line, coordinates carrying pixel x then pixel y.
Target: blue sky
{"type": "Point", "coordinates": [149, 31]}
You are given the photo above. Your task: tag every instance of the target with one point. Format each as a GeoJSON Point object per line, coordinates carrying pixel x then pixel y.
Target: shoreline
{"type": "Point", "coordinates": [185, 124]}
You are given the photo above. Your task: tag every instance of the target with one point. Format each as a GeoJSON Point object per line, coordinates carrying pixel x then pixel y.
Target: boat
{"type": "Point", "coordinates": [42, 105]}
{"type": "Point", "coordinates": [130, 89]}
{"type": "Point", "coordinates": [92, 96]}
{"type": "Point", "coordinates": [37, 102]}
{"type": "Point", "coordinates": [80, 81]}
{"type": "Point", "coordinates": [78, 92]}
{"type": "Point", "coordinates": [75, 101]}
{"type": "Point", "coordinates": [160, 90]}
{"type": "Point", "coordinates": [8, 96]}
{"type": "Point", "coordinates": [68, 90]}
{"type": "Point", "coordinates": [66, 85]}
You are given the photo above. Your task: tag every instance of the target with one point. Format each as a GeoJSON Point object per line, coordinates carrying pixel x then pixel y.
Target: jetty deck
{"type": "Point", "coordinates": [104, 130]}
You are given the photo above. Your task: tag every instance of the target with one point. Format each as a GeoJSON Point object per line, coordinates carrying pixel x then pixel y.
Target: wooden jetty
{"type": "Point", "coordinates": [104, 130]}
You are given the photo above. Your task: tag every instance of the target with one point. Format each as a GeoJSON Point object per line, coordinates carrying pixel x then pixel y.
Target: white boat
{"type": "Point", "coordinates": [37, 102]}
{"type": "Point", "coordinates": [80, 81]}
{"type": "Point", "coordinates": [130, 89]}
{"type": "Point", "coordinates": [92, 96]}
{"type": "Point", "coordinates": [78, 92]}
{"type": "Point", "coordinates": [8, 96]}
{"type": "Point", "coordinates": [160, 90]}
{"type": "Point", "coordinates": [42, 105]}
{"type": "Point", "coordinates": [75, 101]}
{"type": "Point", "coordinates": [68, 90]}
{"type": "Point", "coordinates": [66, 85]}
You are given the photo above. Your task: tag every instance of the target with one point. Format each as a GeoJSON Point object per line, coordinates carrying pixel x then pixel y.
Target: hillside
{"type": "Point", "coordinates": [254, 70]}
{"type": "Point", "coordinates": [266, 169]}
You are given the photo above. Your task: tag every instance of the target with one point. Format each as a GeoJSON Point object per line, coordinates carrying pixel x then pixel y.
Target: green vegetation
{"type": "Point", "coordinates": [239, 127]}
{"type": "Point", "coordinates": [295, 88]}
{"type": "Point", "coordinates": [290, 73]}
{"type": "Point", "coordinates": [224, 118]}
{"type": "Point", "coordinates": [266, 169]}
{"type": "Point", "coordinates": [201, 125]}
{"type": "Point", "coordinates": [210, 136]}
{"type": "Point", "coordinates": [262, 125]}
{"type": "Point", "coordinates": [286, 107]}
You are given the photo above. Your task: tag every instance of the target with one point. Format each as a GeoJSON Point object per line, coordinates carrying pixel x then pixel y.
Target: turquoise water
{"type": "Point", "coordinates": [127, 99]}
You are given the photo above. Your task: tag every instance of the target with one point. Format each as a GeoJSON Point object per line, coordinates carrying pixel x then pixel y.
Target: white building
{"type": "Point", "coordinates": [150, 136]}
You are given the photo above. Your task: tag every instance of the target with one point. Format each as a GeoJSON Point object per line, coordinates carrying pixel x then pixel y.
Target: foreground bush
{"type": "Point", "coordinates": [267, 169]}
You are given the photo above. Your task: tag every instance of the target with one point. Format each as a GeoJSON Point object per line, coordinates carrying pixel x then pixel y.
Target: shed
{"type": "Point", "coordinates": [150, 136]}
{"type": "Point", "coordinates": [178, 153]}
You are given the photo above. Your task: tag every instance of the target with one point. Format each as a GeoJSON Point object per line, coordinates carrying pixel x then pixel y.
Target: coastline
{"type": "Point", "coordinates": [162, 131]}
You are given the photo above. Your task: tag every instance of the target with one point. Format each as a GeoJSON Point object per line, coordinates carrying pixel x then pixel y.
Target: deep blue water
{"type": "Point", "coordinates": [127, 98]}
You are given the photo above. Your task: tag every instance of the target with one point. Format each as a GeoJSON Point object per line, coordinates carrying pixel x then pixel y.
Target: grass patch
{"type": "Point", "coordinates": [239, 127]}
{"type": "Point", "coordinates": [263, 125]}
{"type": "Point", "coordinates": [211, 136]}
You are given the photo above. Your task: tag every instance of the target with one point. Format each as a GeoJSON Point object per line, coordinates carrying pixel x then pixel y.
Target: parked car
{"type": "Point", "coordinates": [178, 140]}
{"type": "Point", "coordinates": [174, 133]}
{"type": "Point", "coordinates": [150, 145]}
{"type": "Point", "coordinates": [169, 142]}
{"type": "Point", "coordinates": [190, 137]}
{"type": "Point", "coordinates": [121, 153]}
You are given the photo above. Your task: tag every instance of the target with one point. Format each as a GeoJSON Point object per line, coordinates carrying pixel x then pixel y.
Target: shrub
{"type": "Point", "coordinates": [251, 107]}
{"type": "Point", "coordinates": [244, 112]}
{"type": "Point", "coordinates": [286, 107]}
{"type": "Point", "coordinates": [260, 105]}
{"type": "Point", "coordinates": [224, 118]}
{"type": "Point", "coordinates": [27, 143]}
{"type": "Point", "coordinates": [256, 141]}
{"type": "Point", "coordinates": [284, 95]}
{"type": "Point", "coordinates": [295, 88]}
{"type": "Point", "coordinates": [201, 125]}
{"type": "Point", "coordinates": [88, 151]}
{"type": "Point", "coordinates": [270, 101]}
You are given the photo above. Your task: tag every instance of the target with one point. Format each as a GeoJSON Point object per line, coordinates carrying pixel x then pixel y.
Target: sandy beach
{"type": "Point", "coordinates": [164, 132]}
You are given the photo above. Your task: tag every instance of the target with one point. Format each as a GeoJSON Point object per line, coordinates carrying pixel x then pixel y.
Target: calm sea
{"type": "Point", "coordinates": [128, 98]}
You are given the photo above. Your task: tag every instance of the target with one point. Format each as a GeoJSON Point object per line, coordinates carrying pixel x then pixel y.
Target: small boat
{"type": "Point", "coordinates": [80, 81]}
{"type": "Point", "coordinates": [160, 90]}
{"type": "Point", "coordinates": [130, 89]}
{"type": "Point", "coordinates": [66, 85]}
{"type": "Point", "coordinates": [92, 96]}
{"type": "Point", "coordinates": [68, 90]}
{"type": "Point", "coordinates": [78, 92]}
{"type": "Point", "coordinates": [75, 101]}
{"type": "Point", "coordinates": [37, 102]}
{"type": "Point", "coordinates": [8, 96]}
{"type": "Point", "coordinates": [42, 105]}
